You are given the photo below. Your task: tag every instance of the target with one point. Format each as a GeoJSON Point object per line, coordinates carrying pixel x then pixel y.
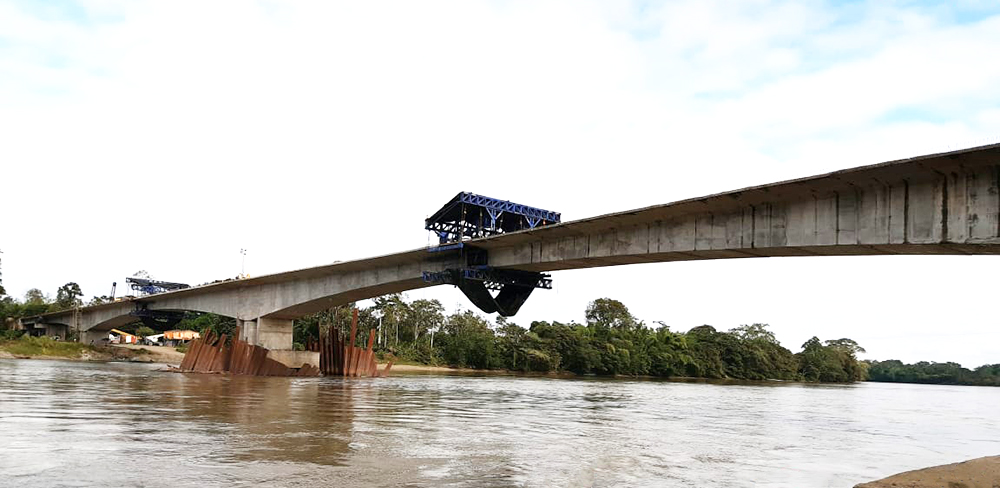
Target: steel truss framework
{"type": "Point", "coordinates": [152, 287]}
{"type": "Point", "coordinates": [471, 216]}
{"type": "Point", "coordinates": [492, 278]}
{"type": "Point", "coordinates": [513, 286]}
{"type": "Point", "coordinates": [157, 319]}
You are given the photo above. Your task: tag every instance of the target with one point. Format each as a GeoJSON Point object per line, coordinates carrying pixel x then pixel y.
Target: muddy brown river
{"type": "Point", "coordinates": [70, 424]}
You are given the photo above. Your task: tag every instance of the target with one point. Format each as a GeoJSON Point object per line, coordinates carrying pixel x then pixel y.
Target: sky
{"type": "Point", "coordinates": [167, 135]}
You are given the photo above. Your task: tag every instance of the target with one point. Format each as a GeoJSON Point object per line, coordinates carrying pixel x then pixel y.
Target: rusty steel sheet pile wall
{"type": "Point", "coordinates": [338, 357]}
{"type": "Point", "coordinates": [211, 354]}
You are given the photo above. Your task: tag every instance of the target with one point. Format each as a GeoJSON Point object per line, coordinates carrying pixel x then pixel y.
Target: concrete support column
{"type": "Point", "coordinates": [274, 334]}
{"type": "Point", "coordinates": [93, 335]}
{"type": "Point", "coordinates": [248, 330]}
{"type": "Point", "coordinates": [57, 330]}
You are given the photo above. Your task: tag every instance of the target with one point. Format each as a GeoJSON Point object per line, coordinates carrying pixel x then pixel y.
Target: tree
{"type": "Point", "coordinates": [608, 313]}
{"type": "Point", "coordinates": [706, 353]}
{"type": "Point", "coordinates": [68, 296]}
{"type": "Point", "coordinates": [99, 300]}
{"type": "Point", "coordinates": [570, 346]}
{"type": "Point", "coordinates": [468, 341]}
{"type": "Point", "coordinates": [760, 355]}
{"type": "Point", "coordinates": [9, 310]}
{"type": "Point", "coordinates": [511, 337]}
{"type": "Point", "coordinates": [35, 296]}
{"type": "Point", "coordinates": [219, 324]}
{"type": "Point", "coordinates": [392, 309]}
{"type": "Point", "coordinates": [834, 362]}
{"type": "Point", "coordinates": [754, 333]}
{"type": "Point", "coordinates": [144, 331]}
{"type": "Point", "coordinates": [423, 316]}
{"type": "Point", "coordinates": [35, 302]}
{"type": "Point", "coordinates": [846, 345]}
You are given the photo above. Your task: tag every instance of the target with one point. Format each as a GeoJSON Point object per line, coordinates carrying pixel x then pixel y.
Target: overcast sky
{"type": "Point", "coordinates": [166, 136]}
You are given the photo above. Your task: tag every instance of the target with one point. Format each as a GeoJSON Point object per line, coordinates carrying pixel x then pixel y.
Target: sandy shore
{"type": "Point", "coordinates": [156, 354]}
{"type": "Point", "coordinates": [420, 368]}
{"type": "Point", "coordinates": [977, 473]}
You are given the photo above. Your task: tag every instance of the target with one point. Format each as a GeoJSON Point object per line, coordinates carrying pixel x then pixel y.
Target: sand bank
{"type": "Point", "coordinates": [977, 473]}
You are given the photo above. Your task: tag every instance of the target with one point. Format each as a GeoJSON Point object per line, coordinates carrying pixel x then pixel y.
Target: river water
{"type": "Point", "coordinates": [119, 424]}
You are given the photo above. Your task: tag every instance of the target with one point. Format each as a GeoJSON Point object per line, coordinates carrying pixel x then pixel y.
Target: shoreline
{"type": "Point", "coordinates": [981, 472]}
{"type": "Point", "coordinates": [135, 353]}
{"type": "Point", "coordinates": [119, 353]}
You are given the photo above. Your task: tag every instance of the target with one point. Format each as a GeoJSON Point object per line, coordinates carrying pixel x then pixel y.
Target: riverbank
{"type": "Point", "coordinates": [155, 354]}
{"type": "Point", "coordinates": [423, 368]}
{"type": "Point", "coordinates": [45, 348]}
{"type": "Point", "coordinates": [983, 472]}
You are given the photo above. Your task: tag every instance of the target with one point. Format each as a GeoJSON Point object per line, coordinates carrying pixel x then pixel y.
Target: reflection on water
{"type": "Point", "coordinates": [93, 424]}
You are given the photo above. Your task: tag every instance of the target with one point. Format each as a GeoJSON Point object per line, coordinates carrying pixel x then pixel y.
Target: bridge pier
{"type": "Point", "coordinates": [271, 333]}
{"type": "Point", "coordinates": [93, 336]}
{"type": "Point", "coordinates": [248, 330]}
{"type": "Point", "coordinates": [274, 334]}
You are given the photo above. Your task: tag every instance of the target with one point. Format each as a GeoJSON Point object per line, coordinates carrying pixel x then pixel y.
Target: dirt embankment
{"type": "Point", "coordinates": [118, 352]}
{"type": "Point", "coordinates": [153, 354]}
{"type": "Point", "coordinates": [977, 473]}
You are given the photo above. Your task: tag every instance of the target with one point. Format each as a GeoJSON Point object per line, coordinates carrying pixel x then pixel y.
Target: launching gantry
{"type": "Point", "coordinates": [469, 216]}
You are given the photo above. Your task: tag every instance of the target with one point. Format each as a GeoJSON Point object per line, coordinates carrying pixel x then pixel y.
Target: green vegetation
{"type": "Point", "coordinates": [37, 302]}
{"type": "Point", "coordinates": [143, 331]}
{"type": "Point", "coordinates": [9, 335]}
{"type": "Point", "coordinates": [207, 321]}
{"type": "Point", "coordinates": [612, 342]}
{"type": "Point", "coordinates": [43, 346]}
{"type": "Point", "coordinates": [894, 371]}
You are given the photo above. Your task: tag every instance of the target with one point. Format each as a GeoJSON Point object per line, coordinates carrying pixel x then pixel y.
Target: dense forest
{"type": "Point", "coordinates": [894, 371]}
{"type": "Point", "coordinates": [610, 342]}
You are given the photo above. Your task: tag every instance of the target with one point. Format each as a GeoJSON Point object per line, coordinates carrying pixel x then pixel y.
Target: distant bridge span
{"type": "Point", "coordinates": [946, 203]}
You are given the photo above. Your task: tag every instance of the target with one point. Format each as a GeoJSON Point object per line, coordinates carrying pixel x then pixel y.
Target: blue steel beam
{"type": "Point", "coordinates": [507, 206]}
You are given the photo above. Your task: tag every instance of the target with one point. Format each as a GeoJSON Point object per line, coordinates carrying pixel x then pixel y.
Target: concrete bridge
{"type": "Point", "coordinates": [936, 204]}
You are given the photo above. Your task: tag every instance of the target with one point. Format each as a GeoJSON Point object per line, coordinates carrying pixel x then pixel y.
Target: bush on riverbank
{"type": "Point", "coordinates": [10, 335]}
{"type": "Point", "coordinates": [43, 346]}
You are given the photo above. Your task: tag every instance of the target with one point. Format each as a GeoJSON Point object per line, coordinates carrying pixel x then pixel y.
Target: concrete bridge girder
{"type": "Point", "coordinates": [938, 204]}
{"type": "Point", "coordinates": [928, 213]}
{"type": "Point", "coordinates": [265, 311]}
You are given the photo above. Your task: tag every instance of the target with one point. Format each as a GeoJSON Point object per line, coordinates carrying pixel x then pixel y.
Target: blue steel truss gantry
{"type": "Point", "coordinates": [151, 287]}
{"type": "Point", "coordinates": [471, 216]}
